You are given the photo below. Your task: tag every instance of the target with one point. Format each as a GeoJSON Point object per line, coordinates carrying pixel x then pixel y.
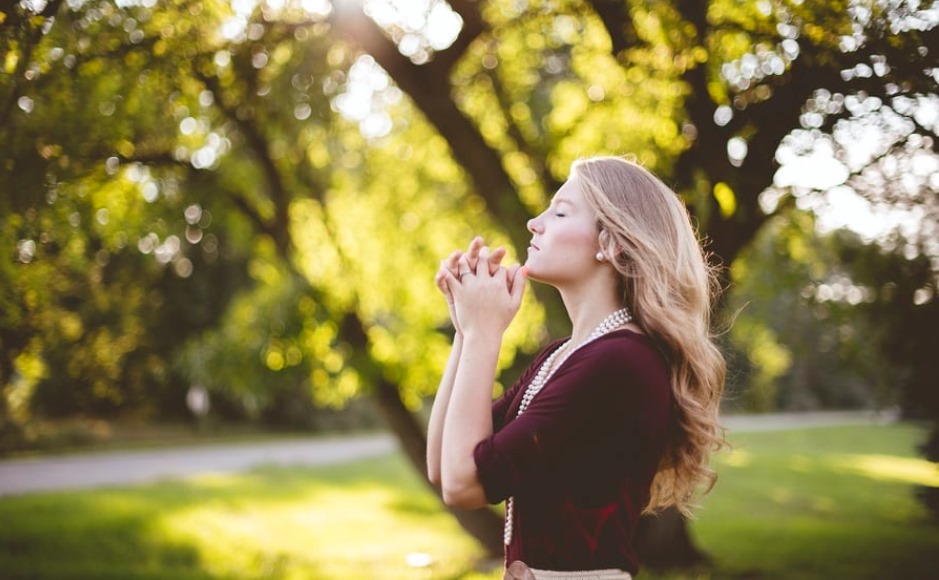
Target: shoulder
{"type": "Point", "coordinates": [623, 350]}
{"type": "Point", "coordinates": [622, 362]}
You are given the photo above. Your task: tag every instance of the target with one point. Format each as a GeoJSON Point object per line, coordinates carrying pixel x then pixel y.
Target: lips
{"type": "Point", "coordinates": [533, 246]}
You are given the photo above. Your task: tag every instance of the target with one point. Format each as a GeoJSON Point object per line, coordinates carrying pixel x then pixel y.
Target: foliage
{"type": "Point", "coordinates": [338, 224]}
{"type": "Point", "coordinates": [90, 298]}
{"type": "Point", "coordinates": [98, 292]}
{"type": "Point", "coordinates": [903, 313]}
{"type": "Point", "coordinates": [805, 325]}
{"type": "Point", "coordinates": [253, 97]}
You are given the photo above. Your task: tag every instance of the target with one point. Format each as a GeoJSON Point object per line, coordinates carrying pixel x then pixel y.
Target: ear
{"type": "Point", "coordinates": [603, 240]}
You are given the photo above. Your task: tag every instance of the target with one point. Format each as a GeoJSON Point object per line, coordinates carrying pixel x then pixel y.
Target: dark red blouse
{"type": "Point", "coordinates": [580, 460]}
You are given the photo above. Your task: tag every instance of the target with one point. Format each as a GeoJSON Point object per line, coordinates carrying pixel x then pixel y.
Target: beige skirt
{"type": "Point", "coordinates": [518, 570]}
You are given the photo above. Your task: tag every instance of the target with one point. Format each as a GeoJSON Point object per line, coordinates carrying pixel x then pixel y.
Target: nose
{"type": "Point", "coordinates": [534, 225]}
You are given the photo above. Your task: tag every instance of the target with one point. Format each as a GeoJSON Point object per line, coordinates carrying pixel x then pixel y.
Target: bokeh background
{"type": "Point", "coordinates": [222, 219]}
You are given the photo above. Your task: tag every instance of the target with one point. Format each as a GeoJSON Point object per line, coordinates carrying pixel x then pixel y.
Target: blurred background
{"type": "Point", "coordinates": [221, 221]}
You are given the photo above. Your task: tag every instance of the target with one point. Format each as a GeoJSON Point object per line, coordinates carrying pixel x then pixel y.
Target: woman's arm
{"type": "Point", "coordinates": [469, 420]}
{"type": "Point", "coordinates": [449, 269]}
{"type": "Point", "coordinates": [439, 411]}
{"type": "Point", "coordinates": [485, 304]}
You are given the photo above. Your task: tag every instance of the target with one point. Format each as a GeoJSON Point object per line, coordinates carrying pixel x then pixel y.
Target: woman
{"type": "Point", "coordinates": [616, 421]}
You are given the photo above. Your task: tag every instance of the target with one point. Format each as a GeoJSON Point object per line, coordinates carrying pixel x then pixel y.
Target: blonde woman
{"type": "Point", "coordinates": [617, 420]}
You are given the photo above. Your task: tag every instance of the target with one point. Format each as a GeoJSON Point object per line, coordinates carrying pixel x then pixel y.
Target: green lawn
{"type": "Point", "coordinates": [820, 503]}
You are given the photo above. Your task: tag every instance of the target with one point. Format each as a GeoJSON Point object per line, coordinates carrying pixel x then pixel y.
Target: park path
{"type": "Point", "coordinates": [103, 468]}
{"type": "Point", "coordinates": [97, 469]}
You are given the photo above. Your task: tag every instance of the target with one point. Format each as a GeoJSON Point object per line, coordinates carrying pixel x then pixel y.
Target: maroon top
{"type": "Point", "coordinates": [580, 460]}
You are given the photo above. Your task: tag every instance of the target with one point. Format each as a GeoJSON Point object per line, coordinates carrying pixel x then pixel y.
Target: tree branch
{"type": "Point", "coordinates": [258, 145]}
{"type": "Point", "coordinates": [536, 158]}
{"type": "Point", "coordinates": [618, 23]}
{"type": "Point", "coordinates": [473, 27]}
{"type": "Point", "coordinates": [428, 86]}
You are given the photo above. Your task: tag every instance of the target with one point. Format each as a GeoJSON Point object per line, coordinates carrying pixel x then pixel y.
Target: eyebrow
{"type": "Point", "coordinates": [557, 201]}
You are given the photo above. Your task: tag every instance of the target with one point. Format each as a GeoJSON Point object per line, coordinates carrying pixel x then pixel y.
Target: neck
{"type": "Point", "coordinates": [587, 306]}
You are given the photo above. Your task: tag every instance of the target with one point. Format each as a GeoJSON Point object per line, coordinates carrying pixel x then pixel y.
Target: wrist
{"type": "Point", "coordinates": [474, 336]}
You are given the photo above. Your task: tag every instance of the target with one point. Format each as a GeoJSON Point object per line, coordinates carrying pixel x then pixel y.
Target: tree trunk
{"type": "Point", "coordinates": [663, 542]}
{"type": "Point", "coordinates": [483, 524]}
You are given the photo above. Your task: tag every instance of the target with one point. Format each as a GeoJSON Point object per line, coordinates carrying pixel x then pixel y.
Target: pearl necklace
{"type": "Point", "coordinates": [544, 374]}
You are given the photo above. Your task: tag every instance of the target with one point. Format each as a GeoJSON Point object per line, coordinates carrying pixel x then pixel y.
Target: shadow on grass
{"type": "Point", "coordinates": [90, 536]}
{"type": "Point", "coordinates": [359, 520]}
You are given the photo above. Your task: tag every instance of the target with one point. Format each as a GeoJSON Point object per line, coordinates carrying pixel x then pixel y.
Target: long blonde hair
{"type": "Point", "coordinates": [668, 285]}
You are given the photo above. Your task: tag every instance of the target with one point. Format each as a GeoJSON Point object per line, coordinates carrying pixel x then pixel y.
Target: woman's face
{"type": "Point", "coordinates": [564, 241]}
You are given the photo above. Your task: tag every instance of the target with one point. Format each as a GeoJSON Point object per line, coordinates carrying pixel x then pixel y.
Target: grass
{"type": "Point", "coordinates": [822, 503]}
{"type": "Point", "coordinates": [819, 503]}
{"type": "Point", "coordinates": [359, 520]}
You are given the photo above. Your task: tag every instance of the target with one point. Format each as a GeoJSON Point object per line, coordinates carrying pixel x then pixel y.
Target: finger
{"type": "Point", "coordinates": [472, 253]}
{"type": "Point", "coordinates": [440, 279]}
{"type": "Point", "coordinates": [439, 276]}
{"type": "Point", "coordinates": [463, 270]}
{"type": "Point", "coordinates": [495, 259]}
{"type": "Point", "coordinates": [482, 265]}
{"type": "Point", "coordinates": [453, 286]}
{"type": "Point", "coordinates": [475, 244]}
{"type": "Point", "coordinates": [453, 262]}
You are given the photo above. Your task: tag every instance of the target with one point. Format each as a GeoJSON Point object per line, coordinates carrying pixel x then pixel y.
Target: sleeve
{"type": "Point", "coordinates": [501, 406]}
{"type": "Point", "coordinates": [592, 390]}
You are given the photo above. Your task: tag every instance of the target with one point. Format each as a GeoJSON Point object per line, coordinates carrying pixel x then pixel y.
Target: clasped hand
{"type": "Point", "coordinates": [483, 295]}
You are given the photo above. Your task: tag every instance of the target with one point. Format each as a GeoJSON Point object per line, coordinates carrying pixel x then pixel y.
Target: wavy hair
{"type": "Point", "coordinates": [668, 285]}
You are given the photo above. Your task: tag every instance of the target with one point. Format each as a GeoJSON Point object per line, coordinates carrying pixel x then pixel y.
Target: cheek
{"type": "Point", "coordinates": [579, 240]}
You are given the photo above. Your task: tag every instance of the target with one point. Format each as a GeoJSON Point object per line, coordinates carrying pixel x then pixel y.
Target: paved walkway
{"type": "Point", "coordinates": [96, 469]}
{"type": "Point", "coordinates": [783, 421]}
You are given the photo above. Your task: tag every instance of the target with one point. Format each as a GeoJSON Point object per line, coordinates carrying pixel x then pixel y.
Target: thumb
{"type": "Point", "coordinates": [510, 273]}
{"type": "Point", "coordinates": [518, 285]}
{"type": "Point", "coordinates": [452, 283]}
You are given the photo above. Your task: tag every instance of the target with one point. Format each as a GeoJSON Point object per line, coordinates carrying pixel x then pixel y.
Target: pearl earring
{"type": "Point", "coordinates": [600, 256]}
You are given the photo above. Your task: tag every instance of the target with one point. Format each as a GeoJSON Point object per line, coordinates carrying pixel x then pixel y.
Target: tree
{"type": "Point", "coordinates": [802, 314]}
{"type": "Point", "coordinates": [98, 290]}
{"type": "Point", "coordinates": [226, 137]}
{"type": "Point", "coordinates": [702, 92]}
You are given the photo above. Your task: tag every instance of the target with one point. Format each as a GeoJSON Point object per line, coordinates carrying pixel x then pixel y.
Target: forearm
{"type": "Point", "coordinates": [438, 413]}
{"type": "Point", "coordinates": [469, 420]}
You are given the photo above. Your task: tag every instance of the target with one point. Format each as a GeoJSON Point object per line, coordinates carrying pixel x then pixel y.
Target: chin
{"type": "Point", "coordinates": [534, 274]}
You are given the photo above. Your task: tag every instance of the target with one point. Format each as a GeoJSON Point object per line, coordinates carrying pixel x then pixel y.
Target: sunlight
{"type": "Point", "coordinates": [367, 95]}
{"type": "Point", "coordinates": [737, 458]}
{"type": "Point", "coordinates": [824, 504]}
{"type": "Point", "coordinates": [870, 174]}
{"type": "Point", "coordinates": [780, 495]}
{"type": "Point", "coordinates": [329, 529]}
{"type": "Point", "coordinates": [418, 27]}
{"type": "Point", "coordinates": [890, 468]}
